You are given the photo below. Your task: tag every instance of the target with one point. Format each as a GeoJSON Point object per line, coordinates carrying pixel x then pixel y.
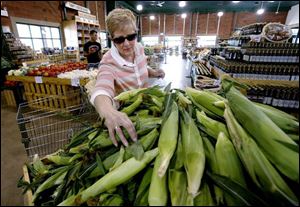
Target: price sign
{"type": "Point", "coordinates": [75, 82]}
{"type": "Point", "coordinates": [38, 79]}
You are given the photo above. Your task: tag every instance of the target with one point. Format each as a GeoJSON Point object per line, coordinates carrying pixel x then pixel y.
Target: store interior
{"type": "Point", "coordinates": [44, 69]}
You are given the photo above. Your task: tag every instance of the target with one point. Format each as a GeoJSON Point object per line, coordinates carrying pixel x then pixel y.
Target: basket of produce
{"type": "Point", "coordinates": [276, 32]}
{"type": "Point", "coordinates": [42, 82]}
{"type": "Point", "coordinates": [194, 148]}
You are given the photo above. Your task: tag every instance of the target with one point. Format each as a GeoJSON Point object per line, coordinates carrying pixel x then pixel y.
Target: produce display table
{"type": "Point", "coordinates": [65, 92]}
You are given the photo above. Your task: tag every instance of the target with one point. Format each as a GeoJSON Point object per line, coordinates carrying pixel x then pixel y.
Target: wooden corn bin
{"type": "Point", "coordinates": [9, 98]}
{"type": "Point", "coordinates": [28, 194]}
{"type": "Point", "coordinates": [62, 93]}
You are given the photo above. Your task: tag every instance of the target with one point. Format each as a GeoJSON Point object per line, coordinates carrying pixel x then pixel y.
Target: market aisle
{"type": "Point", "coordinates": [176, 71]}
{"type": "Point", "coordinates": [13, 156]}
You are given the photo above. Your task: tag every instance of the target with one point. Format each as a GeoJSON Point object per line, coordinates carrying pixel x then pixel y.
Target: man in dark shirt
{"type": "Point", "coordinates": [92, 50]}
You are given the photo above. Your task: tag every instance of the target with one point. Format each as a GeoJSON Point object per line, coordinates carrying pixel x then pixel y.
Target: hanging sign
{"type": "Point", "coordinates": [77, 7]}
{"type": "Point", "coordinates": [4, 13]}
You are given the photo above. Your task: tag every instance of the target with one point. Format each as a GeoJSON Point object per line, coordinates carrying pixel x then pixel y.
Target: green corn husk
{"type": "Point", "coordinates": [167, 140]}
{"type": "Point", "coordinates": [228, 161]}
{"type": "Point", "coordinates": [219, 104]}
{"type": "Point", "coordinates": [294, 137]}
{"type": "Point", "coordinates": [121, 174]}
{"type": "Point", "coordinates": [255, 162]}
{"type": "Point", "coordinates": [79, 148]}
{"type": "Point", "coordinates": [107, 199]}
{"type": "Point", "coordinates": [212, 162]}
{"type": "Point", "coordinates": [194, 155]}
{"type": "Point", "coordinates": [147, 143]}
{"type": "Point", "coordinates": [126, 95]}
{"type": "Point", "coordinates": [38, 165]}
{"type": "Point", "coordinates": [158, 193]}
{"type": "Point", "coordinates": [177, 183]}
{"type": "Point", "coordinates": [183, 101]}
{"type": "Point", "coordinates": [55, 179]}
{"type": "Point", "coordinates": [211, 126]}
{"type": "Point", "coordinates": [269, 108]}
{"type": "Point", "coordinates": [229, 164]}
{"type": "Point", "coordinates": [278, 147]}
{"type": "Point", "coordinates": [59, 160]}
{"type": "Point", "coordinates": [204, 198]}
{"type": "Point", "coordinates": [205, 99]}
{"type": "Point", "coordinates": [131, 108]}
{"type": "Point", "coordinates": [283, 120]}
{"type": "Point", "coordinates": [143, 189]}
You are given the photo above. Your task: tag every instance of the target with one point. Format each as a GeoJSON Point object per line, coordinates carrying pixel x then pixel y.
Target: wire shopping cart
{"type": "Point", "coordinates": [45, 131]}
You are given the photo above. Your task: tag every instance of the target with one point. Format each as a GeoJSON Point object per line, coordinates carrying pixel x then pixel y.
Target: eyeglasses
{"type": "Point", "coordinates": [121, 39]}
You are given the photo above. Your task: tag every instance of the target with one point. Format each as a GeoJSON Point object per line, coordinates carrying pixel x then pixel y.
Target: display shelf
{"type": "Point", "coordinates": [82, 29]}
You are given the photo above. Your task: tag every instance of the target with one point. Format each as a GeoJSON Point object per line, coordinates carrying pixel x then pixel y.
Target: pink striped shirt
{"type": "Point", "coordinates": [117, 75]}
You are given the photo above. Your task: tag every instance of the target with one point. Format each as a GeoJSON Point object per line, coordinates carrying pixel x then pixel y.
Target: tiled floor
{"type": "Point", "coordinates": [13, 154]}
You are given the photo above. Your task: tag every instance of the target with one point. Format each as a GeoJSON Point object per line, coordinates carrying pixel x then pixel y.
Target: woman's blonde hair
{"type": "Point", "coordinates": [118, 19]}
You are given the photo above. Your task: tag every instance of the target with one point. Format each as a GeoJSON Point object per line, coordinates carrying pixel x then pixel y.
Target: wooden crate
{"type": "Point", "coordinates": [28, 194]}
{"type": "Point", "coordinates": [55, 93]}
{"type": "Point", "coordinates": [9, 98]}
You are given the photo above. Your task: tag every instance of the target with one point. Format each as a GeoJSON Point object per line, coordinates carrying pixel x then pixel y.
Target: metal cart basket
{"type": "Point", "coordinates": [45, 131]}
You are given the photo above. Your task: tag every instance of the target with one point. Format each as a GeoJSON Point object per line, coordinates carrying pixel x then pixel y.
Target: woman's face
{"type": "Point", "coordinates": [126, 48]}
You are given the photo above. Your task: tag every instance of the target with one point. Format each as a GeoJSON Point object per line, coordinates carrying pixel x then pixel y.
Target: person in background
{"type": "Point", "coordinates": [92, 50]}
{"type": "Point", "coordinates": [123, 67]}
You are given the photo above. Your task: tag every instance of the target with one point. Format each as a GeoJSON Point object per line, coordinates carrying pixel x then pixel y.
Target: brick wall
{"type": "Point", "coordinates": [228, 22]}
{"type": "Point", "coordinates": [48, 11]}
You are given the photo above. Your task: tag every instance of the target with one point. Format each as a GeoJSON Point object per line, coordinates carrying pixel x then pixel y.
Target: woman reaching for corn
{"type": "Point", "coordinates": [122, 68]}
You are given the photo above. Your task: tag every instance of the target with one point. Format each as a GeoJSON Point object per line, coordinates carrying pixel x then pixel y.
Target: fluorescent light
{"type": "Point", "coordinates": [271, 1]}
{"type": "Point", "coordinates": [235, 2]}
{"type": "Point", "coordinates": [162, 33]}
{"type": "Point", "coordinates": [152, 17]}
{"type": "Point", "coordinates": [183, 15]}
{"type": "Point", "coordinates": [220, 14]}
{"type": "Point", "coordinates": [260, 11]}
{"type": "Point", "coordinates": [139, 7]}
{"type": "Point", "coordinates": [182, 4]}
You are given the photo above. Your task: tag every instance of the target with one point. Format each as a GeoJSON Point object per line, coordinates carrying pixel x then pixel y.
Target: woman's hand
{"type": "Point", "coordinates": [158, 73]}
{"type": "Point", "coordinates": [114, 120]}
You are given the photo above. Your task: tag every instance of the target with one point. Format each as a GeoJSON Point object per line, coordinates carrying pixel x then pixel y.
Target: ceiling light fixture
{"type": "Point", "coordinates": [277, 8]}
{"type": "Point", "coordinates": [152, 17]}
{"type": "Point", "coordinates": [261, 10]}
{"type": "Point", "coordinates": [235, 2]}
{"type": "Point", "coordinates": [139, 7]}
{"type": "Point", "coordinates": [220, 14]}
{"type": "Point", "coordinates": [271, 1]}
{"type": "Point", "coordinates": [182, 4]}
{"type": "Point", "coordinates": [183, 15]}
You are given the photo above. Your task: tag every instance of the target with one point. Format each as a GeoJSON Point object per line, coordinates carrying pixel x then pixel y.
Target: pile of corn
{"type": "Point", "coordinates": [195, 148]}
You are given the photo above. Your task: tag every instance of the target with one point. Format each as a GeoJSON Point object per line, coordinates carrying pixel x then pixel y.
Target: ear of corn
{"type": "Point", "coordinates": [280, 118]}
{"type": "Point", "coordinates": [238, 192]}
{"type": "Point", "coordinates": [211, 126]}
{"type": "Point", "coordinates": [257, 165]}
{"type": "Point", "coordinates": [228, 161]}
{"type": "Point", "coordinates": [270, 109]}
{"type": "Point", "coordinates": [126, 95]}
{"type": "Point", "coordinates": [205, 99]}
{"type": "Point", "coordinates": [194, 155]}
{"type": "Point", "coordinates": [229, 164]}
{"type": "Point", "coordinates": [177, 183]}
{"type": "Point", "coordinates": [131, 108]}
{"type": "Point", "coordinates": [212, 163]}
{"type": "Point", "coordinates": [114, 178]}
{"type": "Point", "coordinates": [167, 140]}
{"type": "Point", "coordinates": [277, 146]}
{"type": "Point", "coordinates": [294, 137]}
{"type": "Point", "coordinates": [158, 193]}
{"type": "Point", "coordinates": [147, 142]}
{"type": "Point", "coordinates": [59, 160]}
{"type": "Point", "coordinates": [204, 198]}
{"type": "Point", "coordinates": [55, 179]}
{"type": "Point", "coordinates": [119, 159]}
{"type": "Point", "coordinates": [144, 188]}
